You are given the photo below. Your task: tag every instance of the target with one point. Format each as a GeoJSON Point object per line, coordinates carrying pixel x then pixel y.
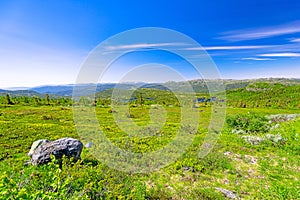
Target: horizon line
{"type": "Point", "coordinates": [14, 88]}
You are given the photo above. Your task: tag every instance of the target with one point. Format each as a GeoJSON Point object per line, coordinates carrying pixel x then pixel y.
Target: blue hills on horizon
{"type": "Point", "coordinates": [87, 89]}
{"type": "Point", "coordinates": [67, 90]}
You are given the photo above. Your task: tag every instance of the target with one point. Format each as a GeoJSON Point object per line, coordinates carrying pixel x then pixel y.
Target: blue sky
{"type": "Point", "coordinates": [46, 42]}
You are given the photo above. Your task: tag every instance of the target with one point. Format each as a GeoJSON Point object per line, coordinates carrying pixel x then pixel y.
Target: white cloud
{"type": "Point", "coordinates": [265, 32]}
{"type": "Point", "coordinates": [282, 47]}
{"type": "Point", "coordinates": [258, 59]}
{"type": "Point", "coordinates": [280, 55]}
{"type": "Point", "coordinates": [295, 40]}
{"type": "Point", "coordinates": [232, 47]}
{"type": "Point", "coordinates": [143, 45]}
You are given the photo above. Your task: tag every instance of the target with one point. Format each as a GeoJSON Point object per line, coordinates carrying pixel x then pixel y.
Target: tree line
{"type": "Point", "coordinates": [34, 101]}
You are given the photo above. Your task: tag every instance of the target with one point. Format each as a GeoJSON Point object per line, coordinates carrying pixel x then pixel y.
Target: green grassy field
{"type": "Point", "coordinates": [264, 171]}
{"type": "Point", "coordinates": [250, 159]}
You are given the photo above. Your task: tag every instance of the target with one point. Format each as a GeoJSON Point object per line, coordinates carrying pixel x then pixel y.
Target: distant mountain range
{"type": "Point", "coordinates": [29, 93]}
{"type": "Point", "coordinates": [86, 89]}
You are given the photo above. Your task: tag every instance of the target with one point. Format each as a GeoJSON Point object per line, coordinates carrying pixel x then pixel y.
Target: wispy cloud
{"type": "Point", "coordinates": [280, 55]}
{"type": "Point", "coordinates": [143, 45]}
{"type": "Point", "coordinates": [295, 40]}
{"type": "Point", "coordinates": [212, 48]}
{"type": "Point", "coordinates": [180, 45]}
{"type": "Point", "coordinates": [233, 47]}
{"type": "Point", "coordinates": [258, 59]}
{"type": "Point", "coordinates": [259, 33]}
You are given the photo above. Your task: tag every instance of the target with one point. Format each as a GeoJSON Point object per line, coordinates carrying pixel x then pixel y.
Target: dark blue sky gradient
{"type": "Point", "coordinates": [47, 41]}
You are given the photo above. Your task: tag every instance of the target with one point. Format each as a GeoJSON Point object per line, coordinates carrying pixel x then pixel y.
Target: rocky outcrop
{"type": "Point", "coordinates": [68, 147]}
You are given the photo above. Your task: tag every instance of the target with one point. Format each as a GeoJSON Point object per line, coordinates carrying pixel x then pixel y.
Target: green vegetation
{"type": "Point", "coordinates": [7, 100]}
{"type": "Point", "coordinates": [267, 170]}
{"type": "Point", "coordinates": [250, 123]}
{"type": "Point", "coordinates": [261, 95]}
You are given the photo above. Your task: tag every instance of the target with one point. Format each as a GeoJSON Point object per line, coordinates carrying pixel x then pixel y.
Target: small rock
{"type": "Point", "coordinates": [89, 145]}
{"type": "Point", "coordinates": [226, 181]}
{"type": "Point", "coordinates": [228, 193]}
{"type": "Point", "coordinates": [282, 117]}
{"type": "Point", "coordinates": [187, 168]}
{"type": "Point", "coordinates": [274, 127]}
{"type": "Point", "coordinates": [254, 140]}
{"type": "Point", "coordinates": [235, 131]}
{"type": "Point", "coordinates": [275, 138]}
{"type": "Point", "coordinates": [251, 159]}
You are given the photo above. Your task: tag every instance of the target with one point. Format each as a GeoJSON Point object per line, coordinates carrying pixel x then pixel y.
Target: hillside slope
{"type": "Point", "coordinates": [264, 94]}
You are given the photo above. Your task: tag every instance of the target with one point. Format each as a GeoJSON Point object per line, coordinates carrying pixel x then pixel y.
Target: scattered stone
{"type": "Point", "coordinates": [228, 193]}
{"type": "Point", "coordinates": [239, 158]}
{"type": "Point", "coordinates": [169, 187]}
{"type": "Point", "coordinates": [282, 117]}
{"type": "Point", "coordinates": [274, 127]}
{"type": "Point", "coordinates": [89, 145]}
{"type": "Point", "coordinates": [251, 159]}
{"type": "Point", "coordinates": [235, 131]}
{"type": "Point", "coordinates": [275, 138]}
{"type": "Point", "coordinates": [227, 153]}
{"type": "Point", "coordinates": [233, 156]}
{"type": "Point", "coordinates": [68, 147]}
{"type": "Point", "coordinates": [188, 168]}
{"type": "Point", "coordinates": [254, 140]}
{"type": "Point", "coordinates": [226, 181]}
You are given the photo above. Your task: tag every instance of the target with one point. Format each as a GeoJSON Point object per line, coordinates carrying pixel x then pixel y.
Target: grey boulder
{"type": "Point", "coordinates": [35, 145]}
{"type": "Point", "coordinates": [68, 147]}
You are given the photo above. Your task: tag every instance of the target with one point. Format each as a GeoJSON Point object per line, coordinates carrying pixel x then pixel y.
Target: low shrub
{"type": "Point", "coordinates": [250, 122]}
